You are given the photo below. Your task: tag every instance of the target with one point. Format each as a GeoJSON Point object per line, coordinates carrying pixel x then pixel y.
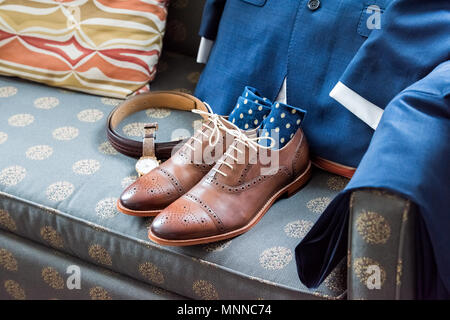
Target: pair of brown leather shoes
{"type": "Point", "coordinates": [204, 200]}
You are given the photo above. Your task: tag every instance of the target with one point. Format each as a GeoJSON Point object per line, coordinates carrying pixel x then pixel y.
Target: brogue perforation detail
{"type": "Point", "coordinates": [208, 210]}
{"type": "Point", "coordinates": [173, 180]}
{"type": "Point", "coordinates": [132, 191]}
{"type": "Point", "coordinates": [185, 156]}
{"type": "Point", "coordinates": [155, 187]}
{"type": "Point", "coordinates": [184, 217]}
{"type": "Point", "coordinates": [294, 162]}
{"type": "Point", "coordinates": [245, 186]}
{"type": "Point", "coordinates": [244, 173]}
{"type": "Point", "coordinates": [204, 167]}
{"type": "Point", "coordinates": [189, 218]}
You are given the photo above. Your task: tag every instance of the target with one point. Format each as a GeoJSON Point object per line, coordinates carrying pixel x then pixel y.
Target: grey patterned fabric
{"type": "Point", "coordinates": [381, 246]}
{"type": "Point", "coordinates": [32, 271]}
{"type": "Point", "coordinates": [59, 180]}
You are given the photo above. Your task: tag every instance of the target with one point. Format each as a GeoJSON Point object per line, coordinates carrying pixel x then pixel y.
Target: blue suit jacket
{"type": "Point", "coordinates": [327, 51]}
{"type": "Point", "coordinates": [345, 74]}
{"type": "Point", "coordinates": [409, 155]}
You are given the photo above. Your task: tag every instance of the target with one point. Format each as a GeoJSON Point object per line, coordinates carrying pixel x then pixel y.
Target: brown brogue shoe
{"type": "Point", "coordinates": [155, 190]}
{"type": "Point", "coordinates": [234, 195]}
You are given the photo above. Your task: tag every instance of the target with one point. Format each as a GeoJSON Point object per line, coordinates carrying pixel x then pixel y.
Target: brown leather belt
{"type": "Point", "coordinates": [157, 99]}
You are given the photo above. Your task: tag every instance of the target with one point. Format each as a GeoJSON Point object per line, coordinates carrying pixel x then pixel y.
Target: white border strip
{"type": "Point", "coordinates": [282, 95]}
{"type": "Point", "coordinates": [360, 107]}
{"type": "Point", "coordinates": [204, 50]}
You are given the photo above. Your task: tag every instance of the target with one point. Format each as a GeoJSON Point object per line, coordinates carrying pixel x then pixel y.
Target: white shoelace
{"type": "Point", "coordinates": [246, 141]}
{"type": "Point", "coordinates": [215, 130]}
{"type": "Point", "coordinates": [240, 136]}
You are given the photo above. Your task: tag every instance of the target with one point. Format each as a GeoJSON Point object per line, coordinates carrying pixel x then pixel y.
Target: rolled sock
{"type": "Point", "coordinates": [250, 110]}
{"type": "Point", "coordinates": [281, 124]}
{"type": "Point", "coordinates": [253, 94]}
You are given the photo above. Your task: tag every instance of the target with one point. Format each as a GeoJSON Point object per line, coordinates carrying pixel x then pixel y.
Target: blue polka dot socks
{"type": "Point", "coordinates": [278, 120]}
{"type": "Point", "coordinates": [250, 110]}
{"type": "Point", "coordinates": [281, 124]}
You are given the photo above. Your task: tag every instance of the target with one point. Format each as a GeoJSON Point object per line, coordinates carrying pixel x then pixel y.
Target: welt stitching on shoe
{"type": "Point", "coordinates": [173, 180]}
{"type": "Point", "coordinates": [208, 210]}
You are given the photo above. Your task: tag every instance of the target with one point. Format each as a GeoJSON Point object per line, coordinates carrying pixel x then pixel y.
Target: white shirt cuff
{"type": "Point", "coordinates": [360, 107]}
{"type": "Point", "coordinates": [204, 50]}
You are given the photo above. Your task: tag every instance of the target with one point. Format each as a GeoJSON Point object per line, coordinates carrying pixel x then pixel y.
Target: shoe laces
{"type": "Point", "coordinates": [217, 123]}
{"type": "Point", "coordinates": [243, 139]}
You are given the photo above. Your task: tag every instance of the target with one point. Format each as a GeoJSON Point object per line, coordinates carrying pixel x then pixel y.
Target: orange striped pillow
{"type": "Point", "coordinates": [104, 47]}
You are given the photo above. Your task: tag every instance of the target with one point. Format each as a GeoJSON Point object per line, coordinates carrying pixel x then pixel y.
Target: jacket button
{"type": "Point", "coordinates": [313, 5]}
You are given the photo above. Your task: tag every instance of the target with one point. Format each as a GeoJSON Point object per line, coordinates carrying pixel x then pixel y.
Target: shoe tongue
{"type": "Point", "coordinates": [281, 124]}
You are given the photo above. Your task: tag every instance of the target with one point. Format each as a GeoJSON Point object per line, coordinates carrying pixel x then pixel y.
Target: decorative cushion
{"type": "Point", "coordinates": [59, 181]}
{"type": "Point", "coordinates": [103, 47]}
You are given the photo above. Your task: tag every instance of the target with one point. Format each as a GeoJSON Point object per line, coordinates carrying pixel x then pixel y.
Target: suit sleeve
{"type": "Point", "coordinates": [212, 13]}
{"type": "Point", "coordinates": [412, 40]}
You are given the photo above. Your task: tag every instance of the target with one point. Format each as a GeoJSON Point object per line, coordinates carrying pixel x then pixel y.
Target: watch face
{"type": "Point", "coordinates": [146, 164]}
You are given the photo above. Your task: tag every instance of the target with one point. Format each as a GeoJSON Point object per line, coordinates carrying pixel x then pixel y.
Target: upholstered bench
{"type": "Point", "coordinates": [60, 179]}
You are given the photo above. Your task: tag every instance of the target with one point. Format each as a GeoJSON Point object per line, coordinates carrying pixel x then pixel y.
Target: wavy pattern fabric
{"type": "Point", "coordinates": [104, 47]}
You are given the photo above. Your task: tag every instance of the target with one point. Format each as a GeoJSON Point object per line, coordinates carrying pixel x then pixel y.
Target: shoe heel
{"type": "Point", "coordinates": [299, 182]}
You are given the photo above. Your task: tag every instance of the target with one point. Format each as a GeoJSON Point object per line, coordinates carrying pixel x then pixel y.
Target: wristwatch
{"type": "Point", "coordinates": [148, 161]}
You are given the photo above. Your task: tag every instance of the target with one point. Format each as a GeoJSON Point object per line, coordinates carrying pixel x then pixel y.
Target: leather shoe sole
{"type": "Point", "coordinates": [148, 213]}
